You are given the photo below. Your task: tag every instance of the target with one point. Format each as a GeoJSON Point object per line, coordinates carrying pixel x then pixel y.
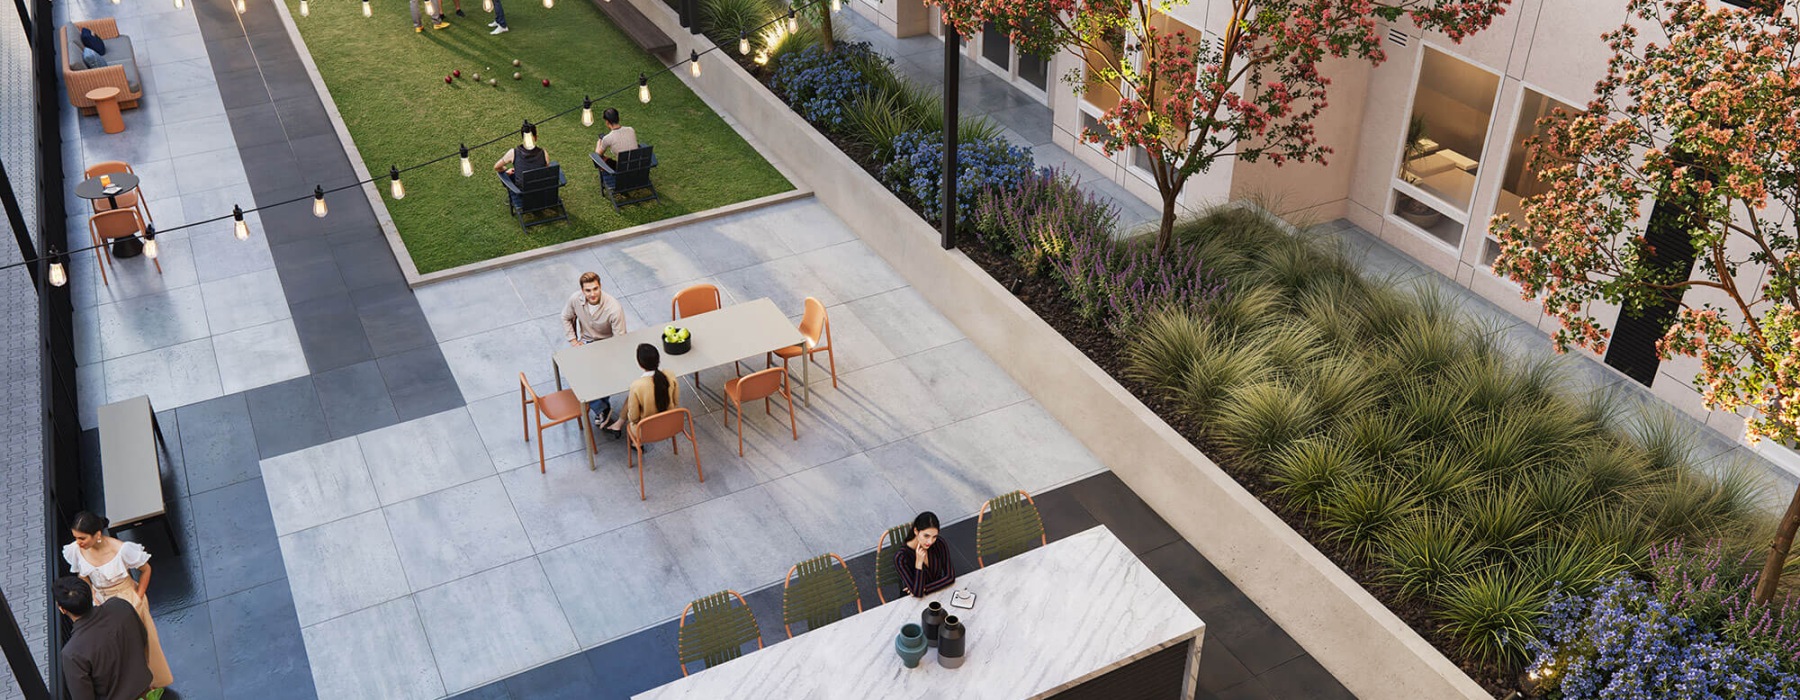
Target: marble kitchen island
{"type": "Point", "coordinates": [1080, 617]}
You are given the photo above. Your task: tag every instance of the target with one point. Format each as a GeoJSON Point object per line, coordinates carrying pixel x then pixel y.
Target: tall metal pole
{"type": "Point", "coordinates": [952, 83]}
{"type": "Point", "coordinates": [15, 219]}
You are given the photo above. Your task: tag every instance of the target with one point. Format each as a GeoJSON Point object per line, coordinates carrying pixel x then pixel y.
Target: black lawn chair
{"type": "Point", "coordinates": [631, 176]}
{"type": "Point", "coordinates": [538, 190]}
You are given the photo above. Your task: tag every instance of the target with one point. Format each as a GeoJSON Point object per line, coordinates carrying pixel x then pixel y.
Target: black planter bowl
{"type": "Point", "coordinates": [678, 348]}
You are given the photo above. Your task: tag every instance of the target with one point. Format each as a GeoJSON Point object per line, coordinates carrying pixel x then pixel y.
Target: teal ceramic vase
{"type": "Point", "coordinates": [910, 644]}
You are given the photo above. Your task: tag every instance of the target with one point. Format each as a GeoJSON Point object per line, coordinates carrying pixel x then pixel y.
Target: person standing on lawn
{"type": "Point", "coordinates": [499, 23]}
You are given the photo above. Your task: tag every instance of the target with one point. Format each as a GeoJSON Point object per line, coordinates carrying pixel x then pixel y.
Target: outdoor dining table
{"type": "Point", "coordinates": [607, 367]}
{"type": "Point", "coordinates": [1081, 615]}
{"type": "Point", "coordinates": [91, 189]}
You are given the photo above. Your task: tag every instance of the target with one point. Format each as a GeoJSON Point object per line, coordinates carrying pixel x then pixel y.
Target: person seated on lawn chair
{"type": "Point", "coordinates": [618, 139]}
{"type": "Point", "coordinates": [520, 159]}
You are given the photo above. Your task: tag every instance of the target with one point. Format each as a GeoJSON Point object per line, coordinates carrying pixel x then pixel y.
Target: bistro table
{"type": "Point", "coordinates": [607, 367]}
{"type": "Point", "coordinates": [1080, 616]}
{"type": "Point", "coordinates": [91, 189]}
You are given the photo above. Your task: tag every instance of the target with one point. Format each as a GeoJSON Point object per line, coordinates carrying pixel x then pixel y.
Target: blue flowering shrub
{"type": "Point", "coordinates": [917, 170]}
{"type": "Point", "coordinates": [819, 85]}
{"type": "Point", "coordinates": [1690, 631]}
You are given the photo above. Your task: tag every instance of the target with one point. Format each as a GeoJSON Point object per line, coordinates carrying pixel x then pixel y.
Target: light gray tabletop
{"type": "Point", "coordinates": [608, 367]}
{"type": "Point", "coordinates": [1043, 622]}
{"type": "Point", "coordinates": [130, 468]}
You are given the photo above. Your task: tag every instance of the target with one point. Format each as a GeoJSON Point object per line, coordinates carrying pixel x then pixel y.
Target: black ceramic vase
{"type": "Point", "coordinates": [951, 643]}
{"type": "Point", "coordinates": [931, 619]}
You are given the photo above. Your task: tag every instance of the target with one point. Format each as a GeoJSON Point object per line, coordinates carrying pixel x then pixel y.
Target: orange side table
{"type": "Point", "coordinates": [106, 103]}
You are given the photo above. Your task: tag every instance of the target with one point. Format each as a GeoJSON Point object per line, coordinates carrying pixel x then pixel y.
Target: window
{"type": "Point", "coordinates": [995, 46]}
{"type": "Point", "coordinates": [1442, 151]}
{"type": "Point", "coordinates": [1097, 92]}
{"type": "Point", "coordinates": [1520, 181]}
{"type": "Point", "coordinates": [1035, 70]}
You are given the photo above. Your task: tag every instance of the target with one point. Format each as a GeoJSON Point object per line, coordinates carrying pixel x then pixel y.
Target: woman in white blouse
{"type": "Point", "coordinates": [106, 564]}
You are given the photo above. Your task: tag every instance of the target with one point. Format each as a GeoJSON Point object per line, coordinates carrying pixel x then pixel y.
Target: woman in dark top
{"type": "Point", "coordinates": [924, 563]}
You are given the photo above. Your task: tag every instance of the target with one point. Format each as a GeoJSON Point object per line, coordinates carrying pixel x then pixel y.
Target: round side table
{"type": "Point", "coordinates": [106, 103]}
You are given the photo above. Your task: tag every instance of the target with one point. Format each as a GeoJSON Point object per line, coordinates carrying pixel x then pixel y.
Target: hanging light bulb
{"type": "Point", "coordinates": [58, 275]}
{"type": "Point", "coordinates": [743, 43]}
{"type": "Point", "coordinates": [319, 208]}
{"type": "Point", "coordinates": [180, 4]}
{"type": "Point", "coordinates": [240, 6]}
{"type": "Point", "coordinates": [529, 133]}
{"type": "Point", "coordinates": [150, 248]}
{"type": "Point", "coordinates": [395, 187]}
{"type": "Point", "coordinates": [304, 10]}
{"type": "Point", "coordinates": [694, 63]}
{"type": "Point", "coordinates": [115, 2]}
{"type": "Point", "coordinates": [487, 5]}
{"type": "Point", "coordinates": [430, 9]}
{"type": "Point", "coordinates": [837, 5]}
{"type": "Point", "coordinates": [239, 228]}
{"type": "Point", "coordinates": [793, 21]}
{"type": "Point", "coordinates": [468, 169]}
{"type": "Point", "coordinates": [367, 11]}
{"type": "Point", "coordinates": [548, 4]}
{"type": "Point", "coordinates": [587, 111]}
{"type": "Point", "coordinates": [643, 89]}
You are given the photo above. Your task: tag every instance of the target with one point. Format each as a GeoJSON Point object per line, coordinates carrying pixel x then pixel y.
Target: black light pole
{"type": "Point", "coordinates": [952, 83]}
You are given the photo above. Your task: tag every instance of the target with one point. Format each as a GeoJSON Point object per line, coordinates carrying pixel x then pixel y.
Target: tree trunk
{"type": "Point", "coordinates": [825, 38]}
{"type": "Point", "coordinates": [1165, 234]}
{"type": "Point", "coordinates": [1778, 551]}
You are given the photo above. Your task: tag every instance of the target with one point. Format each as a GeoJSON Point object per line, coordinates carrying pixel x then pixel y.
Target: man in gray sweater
{"type": "Point", "coordinates": [591, 315]}
{"type": "Point", "coordinates": [104, 657]}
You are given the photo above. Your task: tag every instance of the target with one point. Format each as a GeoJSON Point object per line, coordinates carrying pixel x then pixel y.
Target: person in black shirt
{"type": "Point", "coordinates": [104, 658]}
{"type": "Point", "coordinates": [520, 159]}
{"type": "Point", "coordinates": [924, 561]}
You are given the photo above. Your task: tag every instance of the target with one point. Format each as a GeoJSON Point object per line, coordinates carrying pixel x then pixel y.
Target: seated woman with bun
{"type": "Point", "coordinates": [924, 563]}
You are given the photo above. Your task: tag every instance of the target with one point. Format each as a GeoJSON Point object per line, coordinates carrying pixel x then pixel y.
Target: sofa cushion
{"type": "Point", "coordinates": [73, 52]}
{"type": "Point", "coordinates": [91, 59]}
{"type": "Point", "coordinates": [118, 50]}
{"type": "Point", "coordinates": [92, 41]}
{"type": "Point", "coordinates": [131, 75]}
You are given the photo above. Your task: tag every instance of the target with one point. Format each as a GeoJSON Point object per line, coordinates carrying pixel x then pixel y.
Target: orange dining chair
{"type": "Point", "coordinates": [815, 326]}
{"type": "Point", "coordinates": [552, 410]}
{"type": "Point", "coordinates": [668, 425]}
{"type": "Point", "coordinates": [764, 385]}
{"type": "Point", "coordinates": [128, 200]}
{"type": "Point", "coordinates": [694, 301]}
{"type": "Point", "coordinates": [113, 224]}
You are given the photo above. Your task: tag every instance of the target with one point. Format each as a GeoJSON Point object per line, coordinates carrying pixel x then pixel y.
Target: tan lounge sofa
{"type": "Point", "coordinates": [120, 71]}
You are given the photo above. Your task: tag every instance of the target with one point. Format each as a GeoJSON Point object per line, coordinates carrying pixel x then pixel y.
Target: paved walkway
{"type": "Point", "coordinates": [358, 515]}
{"type": "Point", "coordinates": [1025, 120]}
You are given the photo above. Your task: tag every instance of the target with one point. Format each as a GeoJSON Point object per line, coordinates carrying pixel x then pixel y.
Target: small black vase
{"type": "Point", "coordinates": [932, 618]}
{"type": "Point", "coordinates": [950, 643]}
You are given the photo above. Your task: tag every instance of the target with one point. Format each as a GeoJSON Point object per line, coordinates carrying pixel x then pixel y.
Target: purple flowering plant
{"type": "Point", "coordinates": [1689, 631]}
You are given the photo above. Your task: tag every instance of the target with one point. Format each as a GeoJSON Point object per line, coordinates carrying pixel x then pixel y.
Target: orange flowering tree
{"type": "Point", "coordinates": [1187, 102]}
{"type": "Point", "coordinates": [1702, 120]}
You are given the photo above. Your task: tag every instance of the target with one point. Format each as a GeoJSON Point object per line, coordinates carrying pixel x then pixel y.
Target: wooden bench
{"type": "Point", "coordinates": [641, 30]}
{"type": "Point", "coordinates": [131, 452]}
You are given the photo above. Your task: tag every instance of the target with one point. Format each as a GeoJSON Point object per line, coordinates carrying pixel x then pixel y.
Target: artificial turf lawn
{"type": "Point", "coordinates": [388, 83]}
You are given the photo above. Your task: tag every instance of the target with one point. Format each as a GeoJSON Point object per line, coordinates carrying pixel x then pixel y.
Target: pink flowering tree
{"type": "Point", "coordinates": [1188, 103]}
{"type": "Point", "coordinates": [1701, 120]}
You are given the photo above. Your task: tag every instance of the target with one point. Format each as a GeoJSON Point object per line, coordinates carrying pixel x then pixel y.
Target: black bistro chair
{"type": "Point", "coordinates": [538, 190]}
{"type": "Point", "coordinates": [629, 182]}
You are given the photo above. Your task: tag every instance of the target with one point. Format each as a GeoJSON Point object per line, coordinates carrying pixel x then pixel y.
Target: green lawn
{"type": "Point", "coordinates": [388, 83]}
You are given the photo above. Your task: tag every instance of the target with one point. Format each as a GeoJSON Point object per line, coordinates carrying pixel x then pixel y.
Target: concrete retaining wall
{"type": "Point", "coordinates": [1352, 634]}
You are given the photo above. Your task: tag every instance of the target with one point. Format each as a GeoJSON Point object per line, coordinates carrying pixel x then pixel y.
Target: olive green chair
{"type": "Point", "coordinates": [717, 631]}
{"type": "Point", "coordinates": [885, 573]}
{"type": "Point", "coordinates": [1008, 525]}
{"type": "Point", "coordinates": [816, 592]}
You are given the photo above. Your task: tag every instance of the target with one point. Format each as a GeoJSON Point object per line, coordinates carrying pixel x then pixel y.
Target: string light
{"type": "Point", "coordinates": [304, 10]}
{"type": "Point", "coordinates": [643, 88]}
{"type": "Point", "coordinates": [240, 6]}
{"type": "Point", "coordinates": [150, 249]}
{"type": "Point", "coordinates": [319, 208]}
{"type": "Point", "coordinates": [529, 133]}
{"type": "Point", "coordinates": [395, 187]}
{"type": "Point", "coordinates": [431, 9]}
{"type": "Point", "coordinates": [743, 43]}
{"type": "Point", "coordinates": [548, 4]}
{"type": "Point", "coordinates": [468, 169]}
{"type": "Point", "coordinates": [587, 111]}
{"type": "Point", "coordinates": [180, 4]}
{"type": "Point", "coordinates": [793, 21]}
{"type": "Point", "coordinates": [836, 5]}
{"type": "Point", "coordinates": [58, 275]}
{"type": "Point", "coordinates": [487, 5]}
{"type": "Point", "coordinates": [239, 228]}
{"type": "Point", "coordinates": [367, 11]}
{"type": "Point", "coordinates": [694, 63]}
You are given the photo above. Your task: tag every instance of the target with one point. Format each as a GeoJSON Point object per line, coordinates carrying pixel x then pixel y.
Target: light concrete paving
{"type": "Point", "coordinates": [509, 568]}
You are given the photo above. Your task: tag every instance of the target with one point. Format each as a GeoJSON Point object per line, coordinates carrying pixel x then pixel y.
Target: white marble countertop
{"type": "Point", "coordinates": [1043, 622]}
